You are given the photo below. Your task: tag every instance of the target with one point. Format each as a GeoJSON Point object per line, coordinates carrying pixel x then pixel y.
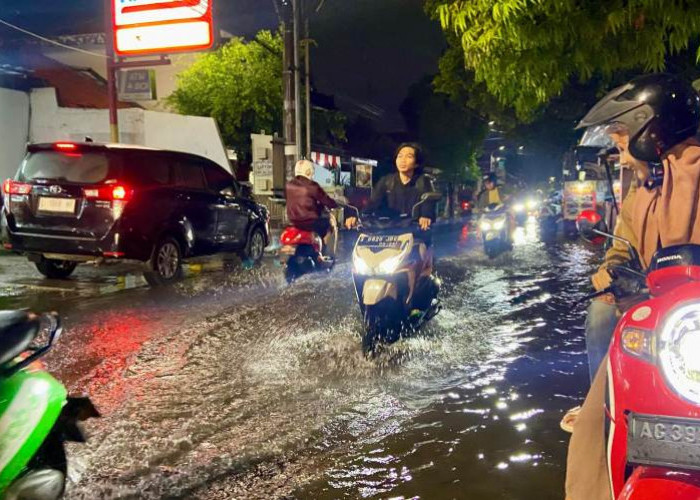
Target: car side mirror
{"type": "Point", "coordinates": [592, 227]}
{"type": "Point", "coordinates": [228, 192]}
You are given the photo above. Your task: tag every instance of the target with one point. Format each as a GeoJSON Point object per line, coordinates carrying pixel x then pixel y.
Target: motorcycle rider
{"type": "Point", "coordinates": [491, 193]}
{"type": "Point", "coordinates": [653, 119]}
{"type": "Point", "coordinates": [308, 205]}
{"type": "Point", "coordinates": [397, 193]}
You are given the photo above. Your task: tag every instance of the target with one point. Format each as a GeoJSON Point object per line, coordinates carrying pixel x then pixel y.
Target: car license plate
{"type": "Point", "coordinates": [57, 205]}
{"type": "Point", "coordinates": [669, 441]}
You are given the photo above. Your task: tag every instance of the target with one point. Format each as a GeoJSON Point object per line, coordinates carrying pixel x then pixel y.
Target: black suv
{"type": "Point", "coordinates": [86, 202]}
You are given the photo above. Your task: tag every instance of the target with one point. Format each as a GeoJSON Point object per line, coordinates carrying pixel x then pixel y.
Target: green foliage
{"type": "Point", "coordinates": [328, 127]}
{"type": "Point", "coordinates": [526, 52]}
{"type": "Point", "coordinates": [450, 133]}
{"type": "Point", "coordinates": [239, 85]}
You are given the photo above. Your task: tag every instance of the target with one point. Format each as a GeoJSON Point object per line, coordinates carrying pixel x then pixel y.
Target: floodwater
{"type": "Point", "coordinates": [239, 386]}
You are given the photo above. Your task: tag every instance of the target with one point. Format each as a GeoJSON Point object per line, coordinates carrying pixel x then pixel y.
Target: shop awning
{"type": "Point", "coordinates": [325, 160]}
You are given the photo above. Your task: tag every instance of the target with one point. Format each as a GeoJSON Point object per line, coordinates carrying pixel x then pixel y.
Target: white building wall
{"type": "Point", "coordinates": [14, 130]}
{"type": "Point", "coordinates": [190, 134]}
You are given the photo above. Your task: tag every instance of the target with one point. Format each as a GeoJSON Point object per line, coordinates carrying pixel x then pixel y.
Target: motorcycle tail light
{"type": "Point", "coordinates": [679, 351]}
{"type": "Point", "coordinates": [638, 343]}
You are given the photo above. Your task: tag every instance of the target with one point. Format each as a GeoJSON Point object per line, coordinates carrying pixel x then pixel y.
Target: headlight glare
{"type": "Point", "coordinates": [390, 265]}
{"type": "Point", "coordinates": [518, 207]}
{"type": "Point", "coordinates": [485, 226]}
{"type": "Point", "coordinates": [361, 267]}
{"type": "Point", "coordinates": [499, 224]}
{"type": "Point", "coordinates": [679, 351]}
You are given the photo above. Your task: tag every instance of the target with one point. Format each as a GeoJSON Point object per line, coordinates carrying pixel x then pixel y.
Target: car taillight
{"type": "Point", "coordinates": [66, 146]}
{"type": "Point", "coordinates": [109, 193]}
{"type": "Point", "coordinates": [14, 187]}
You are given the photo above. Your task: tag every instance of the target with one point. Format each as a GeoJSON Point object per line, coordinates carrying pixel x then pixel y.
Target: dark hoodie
{"type": "Point", "coordinates": [305, 201]}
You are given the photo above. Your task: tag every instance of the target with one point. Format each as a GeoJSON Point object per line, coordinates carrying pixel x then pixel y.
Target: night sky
{"type": "Point", "coordinates": [369, 51]}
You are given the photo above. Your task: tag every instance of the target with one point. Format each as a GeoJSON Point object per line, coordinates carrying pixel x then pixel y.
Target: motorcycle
{"type": "Point", "coordinates": [495, 230]}
{"type": "Point", "coordinates": [653, 408]}
{"type": "Point", "coordinates": [392, 274]}
{"type": "Point", "coordinates": [36, 415]}
{"type": "Point", "coordinates": [301, 253]}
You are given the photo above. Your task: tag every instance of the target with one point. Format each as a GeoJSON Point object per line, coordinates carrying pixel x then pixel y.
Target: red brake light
{"type": "Point", "coordinates": [65, 146]}
{"type": "Point", "coordinates": [13, 187]}
{"type": "Point", "coordinates": [109, 193]}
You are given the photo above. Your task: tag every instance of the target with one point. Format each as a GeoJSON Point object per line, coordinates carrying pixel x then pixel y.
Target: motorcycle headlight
{"type": "Point", "coordinates": [485, 226]}
{"type": "Point", "coordinates": [679, 351]}
{"type": "Point", "coordinates": [518, 207]}
{"type": "Point", "coordinates": [390, 265]}
{"type": "Point", "coordinates": [361, 267]}
{"type": "Point", "coordinates": [532, 204]}
{"type": "Point", "coordinates": [499, 224]}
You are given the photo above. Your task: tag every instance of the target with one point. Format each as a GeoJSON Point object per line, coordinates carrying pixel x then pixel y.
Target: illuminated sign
{"type": "Point", "coordinates": [161, 26]}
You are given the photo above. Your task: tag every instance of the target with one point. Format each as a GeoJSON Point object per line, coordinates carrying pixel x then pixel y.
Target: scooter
{"type": "Point", "coordinates": [36, 415]}
{"type": "Point", "coordinates": [392, 274]}
{"type": "Point", "coordinates": [301, 253]}
{"type": "Point", "coordinates": [653, 411]}
{"type": "Point", "coordinates": [495, 230]}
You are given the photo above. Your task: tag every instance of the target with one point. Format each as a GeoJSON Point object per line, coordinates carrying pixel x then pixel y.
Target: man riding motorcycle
{"type": "Point", "coordinates": [491, 193]}
{"type": "Point", "coordinates": [308, 205]}
{"type": "Point", "coordinates": [397, 193]}
{"type": "Point", "coordinates": [652, 119]}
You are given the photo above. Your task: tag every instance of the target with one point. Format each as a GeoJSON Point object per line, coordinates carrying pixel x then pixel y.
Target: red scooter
{"type": "Point", "coordinates": [653, 405]}
{"type": "Point", "coordinates": [301, 253]}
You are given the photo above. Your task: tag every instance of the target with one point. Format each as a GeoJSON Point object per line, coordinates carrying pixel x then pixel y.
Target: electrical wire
{"type": "Point", "coordinates": [53, 42]}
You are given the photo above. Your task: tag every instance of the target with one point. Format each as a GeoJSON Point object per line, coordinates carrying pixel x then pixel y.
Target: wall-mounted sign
{"type": "Point", "coordinates": [161, 26]}
{"type": "Point", "coordinates": [137, 85]}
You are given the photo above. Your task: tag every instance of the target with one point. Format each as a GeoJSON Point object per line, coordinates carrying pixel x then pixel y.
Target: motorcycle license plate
{"type": "Point", "coordinates": [666, 441]}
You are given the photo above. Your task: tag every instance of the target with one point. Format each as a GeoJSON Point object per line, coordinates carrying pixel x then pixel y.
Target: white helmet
{"type": "Point", "coordinates": [304, 168]}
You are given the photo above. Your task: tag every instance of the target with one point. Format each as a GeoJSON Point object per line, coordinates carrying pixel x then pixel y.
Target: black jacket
{"type": "Point", "coordinates": [392, 197]}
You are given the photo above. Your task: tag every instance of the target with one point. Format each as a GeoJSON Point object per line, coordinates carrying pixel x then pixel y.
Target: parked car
{"type": "Point", "coordinates": [88, 202]}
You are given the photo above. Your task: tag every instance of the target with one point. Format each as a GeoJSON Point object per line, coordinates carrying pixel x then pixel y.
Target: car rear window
{"type": "Point", "coordinates": [82, 168]}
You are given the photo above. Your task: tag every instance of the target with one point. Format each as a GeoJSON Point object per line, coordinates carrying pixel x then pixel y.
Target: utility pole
{"type": "Point", "coordinates": [307, 61]}
{"type": "Point", "coordinates": [111, 75]}
{"type": "Point", "coordinates": [297, 78]}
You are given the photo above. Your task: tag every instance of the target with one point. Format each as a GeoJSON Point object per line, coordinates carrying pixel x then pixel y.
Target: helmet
{"type": "Point", "coordinates": [490, 178]}
{"type": "Point", "coordinates": [304, 168]}
{"type": "Point", "coordinates": [658, 111]}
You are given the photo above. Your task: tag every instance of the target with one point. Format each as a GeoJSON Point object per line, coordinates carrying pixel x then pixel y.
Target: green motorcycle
{"type": "Point", "coordinates": [36, 415]}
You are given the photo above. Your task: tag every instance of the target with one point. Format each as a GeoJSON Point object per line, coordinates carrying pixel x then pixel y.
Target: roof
{"type": "Point", "coordinates": [75, 87]}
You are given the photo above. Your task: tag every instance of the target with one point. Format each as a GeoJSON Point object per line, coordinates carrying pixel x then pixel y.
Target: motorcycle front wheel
{"type": "Point", "coordinates": [381, 324]}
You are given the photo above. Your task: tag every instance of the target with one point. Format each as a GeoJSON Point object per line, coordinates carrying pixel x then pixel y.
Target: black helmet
{"type": "Point", "coordinates": [658, 111]}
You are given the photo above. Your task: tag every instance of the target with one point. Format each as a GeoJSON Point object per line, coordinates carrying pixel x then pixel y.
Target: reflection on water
{"type": "Point", "coordinates": [223, 391]}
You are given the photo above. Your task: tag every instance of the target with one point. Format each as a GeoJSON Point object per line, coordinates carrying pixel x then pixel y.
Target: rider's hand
{"type": "Point", "coordinates": [424, 223]}
{"type": "Point", "coordinates": [602, 279]}
{"type": "Point", "coordinates": [351, 222]}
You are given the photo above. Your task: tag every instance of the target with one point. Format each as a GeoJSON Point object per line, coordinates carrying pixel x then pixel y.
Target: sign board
{"type": "Point", "coordinates": [262, 177]}
{"type": "Point", "coordinates": [161, 26]}
{"type": "Point", "coordinates": [579, 196]}
{"type": "Point", "coordinates": [137, 85]}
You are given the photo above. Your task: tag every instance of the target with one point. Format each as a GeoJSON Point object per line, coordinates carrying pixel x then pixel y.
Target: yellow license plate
{"type": "Point", "coordinates": [57, 205]}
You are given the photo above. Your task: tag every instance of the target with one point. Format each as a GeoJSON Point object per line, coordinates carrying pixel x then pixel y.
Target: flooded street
{"type": "Point", "coordinates": [239, 386]}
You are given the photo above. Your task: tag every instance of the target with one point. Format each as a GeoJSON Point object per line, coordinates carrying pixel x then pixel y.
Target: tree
{"type": "Point", "coordinates": [450, 133]}
{"type": "Point", "coordinates": [239, 85]}
{"type": "Point", "coordinates": [527, 52]}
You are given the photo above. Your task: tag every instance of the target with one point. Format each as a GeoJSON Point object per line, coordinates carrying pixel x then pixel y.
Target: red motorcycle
{"type": "Point", "coordinates": [653, 407]}
{"type": "Point", "coordinates": [301, 253]}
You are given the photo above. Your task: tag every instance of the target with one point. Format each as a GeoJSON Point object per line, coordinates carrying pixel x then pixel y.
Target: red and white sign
{"type": "Point", "coordinates": [325, 160]}
{"type": "Point", "coordinates": [161, 26]}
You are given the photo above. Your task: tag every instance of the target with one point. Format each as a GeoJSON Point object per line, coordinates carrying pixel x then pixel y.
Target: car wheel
{"type": "Point", "coordinates": [255, 249]}
{"type": "Point", "coordinates": [166, 263]}
{"type": "Point", "coordinates": [56, 269]}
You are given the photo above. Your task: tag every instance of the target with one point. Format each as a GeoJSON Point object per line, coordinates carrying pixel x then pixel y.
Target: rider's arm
{"type": "Point", "coordinates": [322, 197]}
{"type": "Point", "coordinates": [377, 198]}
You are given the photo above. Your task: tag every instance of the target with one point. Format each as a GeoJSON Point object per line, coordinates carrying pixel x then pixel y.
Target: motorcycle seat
{"type": "Point", "coordinates": [17, 330]}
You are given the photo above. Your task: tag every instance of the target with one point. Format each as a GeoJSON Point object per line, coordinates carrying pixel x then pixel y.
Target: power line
{"type": "Point", "coordinates": [54, 42]}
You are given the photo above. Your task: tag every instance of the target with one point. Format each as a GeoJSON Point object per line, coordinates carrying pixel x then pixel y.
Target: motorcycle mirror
{"type": "Point", "coordinates": [592, 227]}
{"type": "Point", "coordinates": [55, 328]}
{"type": "Point", "coordinates": [432, 196]}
